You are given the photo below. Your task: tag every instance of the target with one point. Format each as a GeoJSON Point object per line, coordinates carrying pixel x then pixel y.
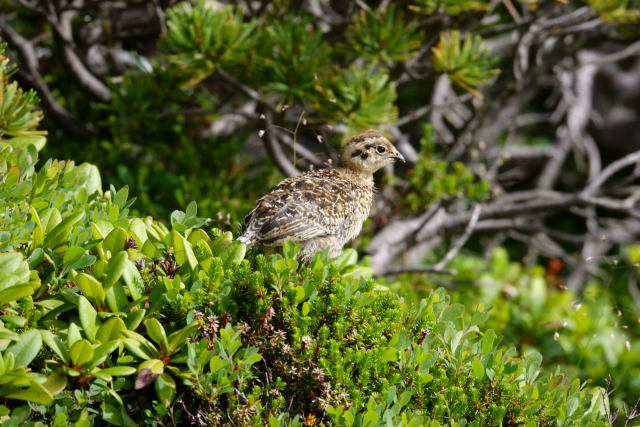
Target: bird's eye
{"type": "Point", "coordinates": [380, 149]}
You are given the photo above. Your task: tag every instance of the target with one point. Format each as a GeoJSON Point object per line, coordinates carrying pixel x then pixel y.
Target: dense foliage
{"type": "Point", "coordinates": [98, 305]}
{"type": "Point", "coordinates": [110, 315]}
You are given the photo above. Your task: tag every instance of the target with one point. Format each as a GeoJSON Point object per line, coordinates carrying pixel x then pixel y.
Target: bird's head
{"type": "Point", "coordinates": [369, 151]}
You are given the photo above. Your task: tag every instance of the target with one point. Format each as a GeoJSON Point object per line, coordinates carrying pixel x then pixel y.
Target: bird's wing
{"type": "Point", "coordinates": [297, 209]}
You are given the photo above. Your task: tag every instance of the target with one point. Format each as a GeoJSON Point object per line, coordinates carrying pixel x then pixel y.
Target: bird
{"type": "Point", "coordinates": [323, 208]}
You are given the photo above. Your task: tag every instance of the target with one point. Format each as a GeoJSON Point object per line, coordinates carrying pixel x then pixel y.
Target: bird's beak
{"type": "Point", "coordinates": [399, 156]}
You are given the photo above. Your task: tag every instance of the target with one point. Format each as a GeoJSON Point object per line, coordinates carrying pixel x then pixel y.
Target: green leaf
{"type": "Point", "coordinates": [452, 312]}
{"type": "Point", "coordinates": [72, 254]}
{"type": "Point", "coordinates": [27, 347]}
{"type": "Point", "coordinates": [300, 294]}
{"type": "Point", "coordinates": [478, 369]}
{"type": "Point", "coordinates": [306, 308]}
{"type": "Point", "coordinates": [59, 234]}
{"type": "Point", "coordinates": [134, 318]}
{"type": "Point", "coordinates": [139, 345]}
{"type": "Point", "coordinates": [14, 293]}
{"type": "Point", "coordinates": [73, 333]}
{"type": "Point", "coordinates": [157, 333]}
{"type": "Point", "coordinates": [103, 351]}
{"type": "Point", "coordinates": [81, 352]}
{"type": "Point", "coordinates": [91, 177]}
{"type": "Point", "coordinates": [346, 259]}
{"type": "Point", "coordinates": [165, 389]}
{"type": "Point", "coordinates": [390, 355]}
{"type": "Point", "coordinates": [110, 330]}
{"type": "Point", "coordinates": [455, 341]}
{"type": "Point", "coordinates": [572, 403]}
{"type": "Point", "coordinates": [120, 198]}
{"type": "Point", "coordinates": [115, 241]}
{"type": "Point", "coordinates": [116, 267]}
{"type": "Point", "coordinates": [234, 253]}
{"type": "Point", "coordinates": [405, 397]}
{"type": "Point", "coordinates": [13, 269]}
{"type": "Point", "coordinates": [196, 235]}
{"type": "Point", "coordinates": [487, 341]}
{"type": "Point", "coordinates": [179, 337]}
{"type": "Point", "coordinates": [116, 298]}
{"type": "Point", "coordinates": [118, 371]}
{"type": "Point", "coordinates": [88, 318]}
{"type": "Point", "coordinates": [192, 209]}
{"type": "Point", "coordinates": [533, 361]}
{"type": "Point", "coordinates": [22, 142]}
{"type": "Point", "coordinates": [133, 280]}
{"type": "Point", "coordinates": [56, 344]}
{"type": "Point", "coordinates": [221, 243]}
{"type": "Point", "coordinates": [36, 393]}
{"type": "Point", "coordinates": [55, 383]}
{"type": "Point", "coordinates": [36, 257]}
{"type": "Point", "coordinates": [90, 288]}
{"type": "Point", "coordinates": [182, 250]}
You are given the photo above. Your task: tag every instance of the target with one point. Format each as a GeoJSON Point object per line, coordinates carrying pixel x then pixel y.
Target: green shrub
{"type": "Point", "coordinates": [100, 305]}
{"type": "Point", "coordinates": [590, 336]}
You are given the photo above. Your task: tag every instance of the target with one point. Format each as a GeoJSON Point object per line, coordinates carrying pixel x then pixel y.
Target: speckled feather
{"type": "Point", "coordinates": [321, 208]}
{"type": "Point", "coordinates": [314, 204]}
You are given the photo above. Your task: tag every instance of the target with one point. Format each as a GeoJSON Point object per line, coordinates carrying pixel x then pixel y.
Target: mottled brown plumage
{"type": "Point", "coordinates": [323, 208]}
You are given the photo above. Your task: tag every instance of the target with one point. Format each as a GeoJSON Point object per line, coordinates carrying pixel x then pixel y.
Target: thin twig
{"type": "Point", "coordinates": [512, 11]}
{"type": "Point", "coordinates": [610, 170]}
{"type": "Point", "coordinates": [631, 50]}
{"type": "Point", "coordinates": [475, 215]}
{"type": "Point", "coordinates": [248, 91]}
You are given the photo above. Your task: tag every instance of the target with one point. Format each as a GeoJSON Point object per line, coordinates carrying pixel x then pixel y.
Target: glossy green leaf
{"type": "Point", "coordinates": [13, 269]}
{"type": "Point", "coordinates": [14, 293]}
{"type": "Point", "coordinates": [183, 251]}
{"type": "Point", "coordinates": [36, 393]}
{"type": "Point", "coordinates": [55, 343]}
{"type": "Point", "coordinates": [88, 318]}
{"type": "Point", "coordinates": [134, 318]}
{"type": "Point", "coordinates": [179, 337]}
{"type": "Point", "coordinates": [72, 254]}
{"type": "Point", "coordinates": [81, 352]}
{"type": "Point", "coordinates": [90, 287]}
{"type": "Point", "coordinates": [110, 330]}
{"type": "Point", "coordinates": [116, 298]}
{"type": "Point", "coordinates": [118, 371]}
{"type": "Point", "coordinates": [165, 387]}
{"type": "Point", "coordinates": [157, 333]}
{"type": "Point", "coordinates": [27, 347]}
{"type": "Point", "coordinates": [133, 280]}
{"type": "Point", "coordinates": [115, 241]}
{"type": "Point", "coordinates": [59, 234]}
{"type": "Point", "coordinates": [115, 268]}
{"type": "Point", "coordinates": [103, 351]}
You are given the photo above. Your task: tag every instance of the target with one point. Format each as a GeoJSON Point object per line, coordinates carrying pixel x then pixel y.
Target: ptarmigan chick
{"type": "Point", "coordinates": [323, 208]}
